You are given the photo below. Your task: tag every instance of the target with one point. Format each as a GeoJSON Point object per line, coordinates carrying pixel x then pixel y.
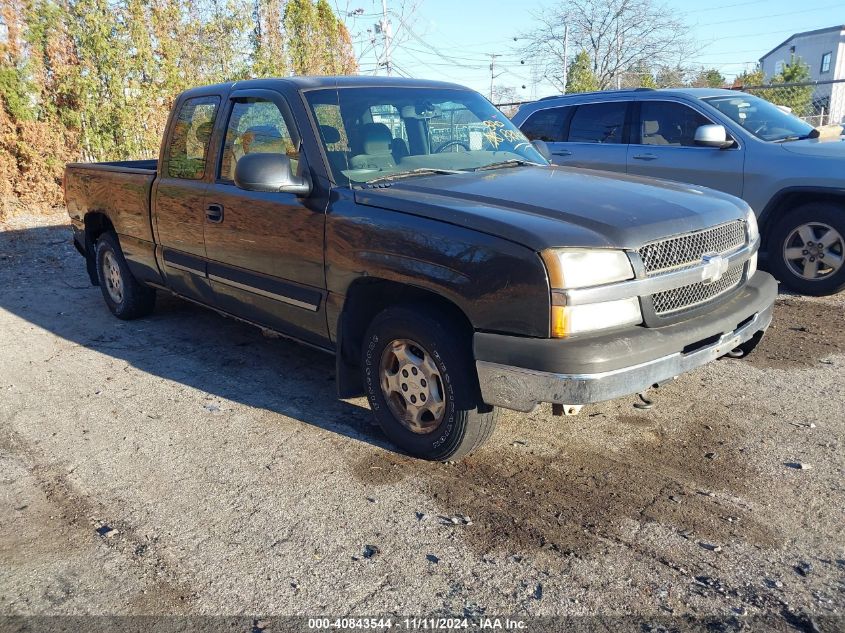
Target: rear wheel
{"type": "Point", "coordinates": [807, 249]}
{"type": "Point", "coordinates": [422, 385]}
{"type": "Point", "coordinates": [124, 295]}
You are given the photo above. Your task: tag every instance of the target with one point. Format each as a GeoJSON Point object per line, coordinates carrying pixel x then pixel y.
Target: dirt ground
{"type": "Point", "coordinates": [186, 464]}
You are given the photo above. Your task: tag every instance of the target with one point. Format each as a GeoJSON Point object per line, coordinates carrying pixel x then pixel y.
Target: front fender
{"type": "Point", "coordinates": [499, 285]}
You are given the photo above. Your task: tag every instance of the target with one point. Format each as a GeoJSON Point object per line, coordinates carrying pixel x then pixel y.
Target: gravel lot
{"type": "Point", "coordinates": [185, 463]}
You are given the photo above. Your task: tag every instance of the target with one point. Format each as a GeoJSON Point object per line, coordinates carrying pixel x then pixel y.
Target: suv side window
{"type": "Point", "coordinates": [188, 148]}
{"type": "Point", "coordinates": [598, 122]}
{"type": "Point", "coordinates": [669, 123]}
{"type": "Point", "coordinates": [545, 125]}
{"type": "Point", "coordinates": [256, 126]}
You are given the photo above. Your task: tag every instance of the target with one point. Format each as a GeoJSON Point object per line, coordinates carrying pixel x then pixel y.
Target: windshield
{"type": "Point", "coordinates": [762, 118]}
{"type": "Point", "coordinates": [379, 133]}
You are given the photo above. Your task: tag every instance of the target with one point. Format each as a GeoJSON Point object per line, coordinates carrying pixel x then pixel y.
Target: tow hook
{"type": "Point", "coordinates": [566, 409]}
{"type": "Point", "coordinates": [644, 402]}
{"type": "Point", "coordinates": [736, 352]}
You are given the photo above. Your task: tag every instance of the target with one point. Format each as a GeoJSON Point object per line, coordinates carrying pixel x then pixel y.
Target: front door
{"type": "Point", "coordinates": [179, 196]}
{"type": "Point", "coordinates": [663, 146]}
{"type": "Point", "coordinates": [265, 250]}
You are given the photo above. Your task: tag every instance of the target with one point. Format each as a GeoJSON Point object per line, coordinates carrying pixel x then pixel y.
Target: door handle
{"type": "Point", "coordinates": [645, 157]}
{"type": "Point", "coordinates": [563, 152]}
{"type": "Point", "coordinates": [214, 213]}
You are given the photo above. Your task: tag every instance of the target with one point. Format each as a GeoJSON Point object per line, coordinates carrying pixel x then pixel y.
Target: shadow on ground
{"type": "Point", "coordinates": [42, 280]}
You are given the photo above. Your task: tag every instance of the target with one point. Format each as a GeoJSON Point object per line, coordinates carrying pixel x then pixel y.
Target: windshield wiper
{"type": "Point", "coordinates": [513, 162]}
{"type": "Point", "coordinates": [814, 133]}
{"type": "Point", "coordinates": [423, 171]}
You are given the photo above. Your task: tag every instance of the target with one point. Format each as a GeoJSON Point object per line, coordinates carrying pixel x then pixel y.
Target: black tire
{"type": "Point", "coordinates": [823, 213]}
{"type": "Point", "coordinates": [466, 422]}
{"type": "Point", "coordinates": [134, 300]}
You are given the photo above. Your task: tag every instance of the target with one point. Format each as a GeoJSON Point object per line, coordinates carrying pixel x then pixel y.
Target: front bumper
{"type": "Point", "coordinates": [518, 373]}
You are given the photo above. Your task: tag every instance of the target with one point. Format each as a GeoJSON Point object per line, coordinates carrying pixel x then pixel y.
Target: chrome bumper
{"type": "Point", "coordinates": [522, 389]}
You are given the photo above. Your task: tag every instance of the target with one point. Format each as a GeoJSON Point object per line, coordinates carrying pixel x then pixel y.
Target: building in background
{"type": "Point", "coordinates": [823, 50]}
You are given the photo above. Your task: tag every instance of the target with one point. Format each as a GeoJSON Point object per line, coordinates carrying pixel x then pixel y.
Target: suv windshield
{"type": "Point", "coordinates": [383, 133]}
{"type": "Point", "coordinates": [762, 118]}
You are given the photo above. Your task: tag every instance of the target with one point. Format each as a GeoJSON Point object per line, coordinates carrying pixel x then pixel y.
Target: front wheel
{"type": "Point", "coordinates": [807, 249]}
{"type": "Point", "coordinates": [422, 386]}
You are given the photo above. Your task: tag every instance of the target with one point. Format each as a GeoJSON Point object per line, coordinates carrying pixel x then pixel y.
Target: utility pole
{"type": "Point", "coordinates": [387, 33]}
{"type": "Point", "coordinates": [618, 57]}
{"type": "Point", "coordinates": [565, 55]}
{"type": "Point", "coordinates": [493, 57]}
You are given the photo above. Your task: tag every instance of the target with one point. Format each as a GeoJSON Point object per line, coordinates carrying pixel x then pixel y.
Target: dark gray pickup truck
{"type": "Point", "coordinates": [410, 229]}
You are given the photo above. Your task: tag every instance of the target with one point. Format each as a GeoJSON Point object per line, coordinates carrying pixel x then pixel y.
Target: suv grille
{"type": "Point", "coordinates": [687, 250]}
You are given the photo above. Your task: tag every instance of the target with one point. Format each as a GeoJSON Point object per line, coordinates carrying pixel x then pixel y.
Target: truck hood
{"type": "Point", "coordinates": [543, 207]}
{"type": "Point", "coordinates": [826, 148]}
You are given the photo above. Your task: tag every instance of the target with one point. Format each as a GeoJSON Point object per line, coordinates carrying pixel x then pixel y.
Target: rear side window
{"type": "Point", "coordinates": [189, 140]}
{"type": "Point", "coordinates": [545, 125]}
{"type": "Point", "coordinates": [598, 123]}
{"type": "Point", "coordinates": [669, 123]}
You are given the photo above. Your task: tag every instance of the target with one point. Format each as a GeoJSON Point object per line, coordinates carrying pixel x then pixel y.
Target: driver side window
{"type": "Point", "coordinates": [669, 123]}
{"type": "Point", "coordinates": [256, 126]}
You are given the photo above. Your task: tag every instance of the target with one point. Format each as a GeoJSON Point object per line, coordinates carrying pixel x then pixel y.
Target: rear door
{"type": "Point", "coordinates": [663, 146]}
{"type": "Point", "coordinates": [179, 195]}
{"type": "Point", "coordinates": [265, 250]}
{"type": "Point", "coordinates": [595, 136]}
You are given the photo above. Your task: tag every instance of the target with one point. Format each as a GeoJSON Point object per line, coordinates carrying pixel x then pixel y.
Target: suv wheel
{"type": "Point", "coordinates": [422, 386]}
{"type": "Point", "coordinates": [125, 297]}
{"type": "Point", "coordinates": [807, 249]}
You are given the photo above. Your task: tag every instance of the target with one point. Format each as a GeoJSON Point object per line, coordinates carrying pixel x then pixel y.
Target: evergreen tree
{"type": "Point", "coordinates": [755, 77]}
{"type": "Point", "coordinates": [269, 54]}
{"type": "Point", "coordinates": [798, 98]}
{"type": "Point", "coordinates": [709, 78]}
{"type": "Point", "coordinates": [303, 45]}
{"type": "Point", "coordinates": [580, 77]}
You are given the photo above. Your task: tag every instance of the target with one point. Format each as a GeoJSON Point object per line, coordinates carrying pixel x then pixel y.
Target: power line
{"type": "Point", "coordinates": [773, 15]}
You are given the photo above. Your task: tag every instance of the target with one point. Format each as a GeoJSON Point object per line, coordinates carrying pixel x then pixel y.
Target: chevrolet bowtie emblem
{"type": "Point", "coordinates": [714, 267]}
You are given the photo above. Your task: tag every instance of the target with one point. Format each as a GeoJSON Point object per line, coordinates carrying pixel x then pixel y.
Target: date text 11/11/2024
{"type": "Point", "coordinates": [417, 623]}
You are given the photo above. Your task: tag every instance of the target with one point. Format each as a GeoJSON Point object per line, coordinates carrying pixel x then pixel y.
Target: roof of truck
{"type": "Point", "coordinates": [343, 81]}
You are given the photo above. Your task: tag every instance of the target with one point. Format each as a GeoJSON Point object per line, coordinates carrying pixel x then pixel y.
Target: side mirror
{"type": "Point", "coordinates": [271, 173]}
{"type": "Point", "coordinates": [712, 136]}
{"type": "Point", "coordinates": [541, 147]}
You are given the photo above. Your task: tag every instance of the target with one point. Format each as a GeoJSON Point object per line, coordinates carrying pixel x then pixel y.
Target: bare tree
{"type": "Point", "coordinates": [620, 37]}
{"type": "Point", "coordinates": [506, 94]}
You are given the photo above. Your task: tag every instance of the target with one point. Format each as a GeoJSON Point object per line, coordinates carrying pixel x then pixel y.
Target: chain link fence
{"type": "Point", "coordinates": [819, 103]}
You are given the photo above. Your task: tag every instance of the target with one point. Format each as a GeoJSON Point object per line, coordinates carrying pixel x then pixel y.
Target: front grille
{"type": "Point", "coordinates": [688, 297]}
{"type": "Point", "coordinates": [687, 250]}
{"type": "Point", "coordinates": [684, 251]}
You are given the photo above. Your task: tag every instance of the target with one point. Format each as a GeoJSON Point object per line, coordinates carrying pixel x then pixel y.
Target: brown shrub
{"type": "Point", "coordinates": [32, 159]}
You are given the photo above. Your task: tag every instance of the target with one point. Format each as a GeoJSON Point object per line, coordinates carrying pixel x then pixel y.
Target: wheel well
{"type": "Point", "coordinates": [95, 225]}
{"type": "Point", "coordinates": [364, 300]}
{"type": "Point", "coordinates": [789, 200]}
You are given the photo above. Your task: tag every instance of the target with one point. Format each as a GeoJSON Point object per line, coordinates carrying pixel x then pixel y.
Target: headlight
{"type": "Point", "coordinates": [568, 320]}
{"type": "Point", "coordinates": [751, 224]}
{"type": "Point", "coordinates": [570, 268]}
{"type": "Point", "coordinates": [580, 268]}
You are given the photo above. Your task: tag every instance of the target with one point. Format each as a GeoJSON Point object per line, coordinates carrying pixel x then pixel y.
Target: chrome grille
{"type": "Point", "coordinates": [687, 250]}
{"type": "Point", "coordinates": [688, 297]}
{"type": "Point", "coordinates": [683, 251]}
